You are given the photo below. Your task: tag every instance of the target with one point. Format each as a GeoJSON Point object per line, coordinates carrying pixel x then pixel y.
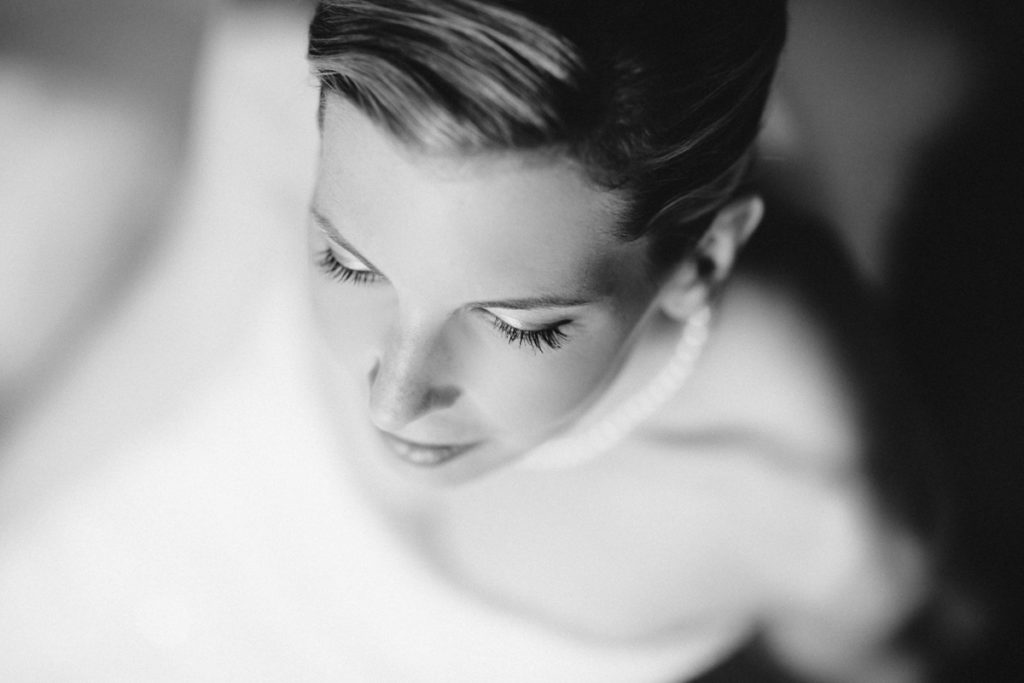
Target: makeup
{"type": "Point", "coordinates": [425, 455]}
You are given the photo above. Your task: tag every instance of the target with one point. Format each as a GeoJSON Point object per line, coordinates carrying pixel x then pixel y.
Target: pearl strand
{"type": "Point", "coordinates": [577, 448]}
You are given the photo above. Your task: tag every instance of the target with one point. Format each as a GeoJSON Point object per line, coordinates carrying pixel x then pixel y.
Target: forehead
{"type": "Point", "coordinates": [503, 217]}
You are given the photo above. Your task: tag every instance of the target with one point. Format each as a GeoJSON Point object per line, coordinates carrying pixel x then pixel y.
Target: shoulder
{"type": "Point", "coordinates": [759, 464]}
{"type": "Point", "coordinates": [774, 374]}
{"type": "Point", "coordinates": [797, 364]}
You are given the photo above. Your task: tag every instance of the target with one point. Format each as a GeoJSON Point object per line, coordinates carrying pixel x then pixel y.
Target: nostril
{"type": "Point", "coordinates": [395, 401]}
{"type": "Point", "coordinates": [404, 385]}
{"type": "Point", "coordinates": [443, 396]}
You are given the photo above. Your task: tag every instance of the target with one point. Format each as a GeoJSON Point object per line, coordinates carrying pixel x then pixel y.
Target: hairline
{"type": "Point", "coordinates": [560, 153]}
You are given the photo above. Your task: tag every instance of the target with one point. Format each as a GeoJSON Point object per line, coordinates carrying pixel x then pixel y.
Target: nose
{"type": "Point", "coordinates": [406, 382]}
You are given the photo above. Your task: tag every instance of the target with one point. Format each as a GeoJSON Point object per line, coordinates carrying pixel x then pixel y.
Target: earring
{"type": "Point", "coordinates": [677, 303]}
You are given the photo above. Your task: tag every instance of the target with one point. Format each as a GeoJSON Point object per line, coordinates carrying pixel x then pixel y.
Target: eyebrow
{"type": "Point", "coordinates": [521, 304]}
{"type": "Point", "coordinates": [332, 233]}
{"type": "Point", "coordinates": [535, 302]}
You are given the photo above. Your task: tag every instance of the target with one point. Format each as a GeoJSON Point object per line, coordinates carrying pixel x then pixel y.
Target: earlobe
{"type": "Point", "coordinates": [684, 292]}
{"type": "Point", "coordinates": [695, 280]}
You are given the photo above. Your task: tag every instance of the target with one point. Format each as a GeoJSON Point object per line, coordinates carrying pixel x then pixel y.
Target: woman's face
{"type": "Point", "coordinates": [479, 304]}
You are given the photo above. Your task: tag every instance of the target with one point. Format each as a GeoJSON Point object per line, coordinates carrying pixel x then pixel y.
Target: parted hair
{"type": "Point", "coordinates": [658, 100]}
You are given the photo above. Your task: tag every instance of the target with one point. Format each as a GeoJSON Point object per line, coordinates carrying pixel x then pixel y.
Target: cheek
{"type": "Point", "coordinates": [352, 321]}
{"type": "Point", "coordinates": [526, 395]}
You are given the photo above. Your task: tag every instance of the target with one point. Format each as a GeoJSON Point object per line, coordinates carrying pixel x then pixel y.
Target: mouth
{"type": "Point", "coordinates": [426, 455]}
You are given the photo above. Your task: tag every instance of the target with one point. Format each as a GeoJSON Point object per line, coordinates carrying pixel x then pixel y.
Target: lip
{"type": "Point", "coordinates": [425, 455]}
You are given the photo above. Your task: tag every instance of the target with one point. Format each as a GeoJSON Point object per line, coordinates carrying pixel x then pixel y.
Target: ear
{"type": "Point", "coordinates": [696, 280]}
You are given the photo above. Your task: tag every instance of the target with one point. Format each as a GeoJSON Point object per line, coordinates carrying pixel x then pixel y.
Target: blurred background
{"type": "Point", "coordinates": [156, 157]}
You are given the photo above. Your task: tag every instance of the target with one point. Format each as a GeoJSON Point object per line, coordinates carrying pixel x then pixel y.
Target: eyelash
{"type": "Point", "coordinates": [551, 337]}
{"type": "Point", "coordinates": [330, 264]}
{"type": "Point", "coordinates": [539, 340]}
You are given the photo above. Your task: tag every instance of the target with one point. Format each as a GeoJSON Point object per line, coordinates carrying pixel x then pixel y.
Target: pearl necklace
{"type": "Point", "coordinates": [574, 449]}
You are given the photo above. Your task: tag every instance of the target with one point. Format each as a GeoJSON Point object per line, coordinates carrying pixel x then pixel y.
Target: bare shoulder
{"type": "Point", "coordinates": [765, 449]}
{"type": "Point", "coordinates": [772, 373]}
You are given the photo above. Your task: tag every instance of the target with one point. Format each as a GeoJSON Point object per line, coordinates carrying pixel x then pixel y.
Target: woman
{"type": "Point", "coordinates": [523, 226]}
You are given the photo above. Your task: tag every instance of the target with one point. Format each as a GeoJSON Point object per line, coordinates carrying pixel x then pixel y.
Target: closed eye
{"type": "Point", "coordinates": [332, 266]}
{"type": "Point", "coordinates": [549, 337]}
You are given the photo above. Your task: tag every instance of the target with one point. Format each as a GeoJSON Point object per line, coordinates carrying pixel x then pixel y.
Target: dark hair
{"type": "Point", "coordinates": [658, 99]}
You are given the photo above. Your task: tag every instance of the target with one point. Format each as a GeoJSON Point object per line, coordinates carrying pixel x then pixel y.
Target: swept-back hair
{"type": "Point", "coordinates": [659, 100]}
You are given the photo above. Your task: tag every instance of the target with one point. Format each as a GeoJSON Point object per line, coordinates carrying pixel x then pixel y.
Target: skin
{"type": "Point", "coordinates": [466, 239]}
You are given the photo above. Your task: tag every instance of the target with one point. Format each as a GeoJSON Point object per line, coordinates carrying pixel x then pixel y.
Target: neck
{"type": "Point", "coordinates": [654, 373]}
